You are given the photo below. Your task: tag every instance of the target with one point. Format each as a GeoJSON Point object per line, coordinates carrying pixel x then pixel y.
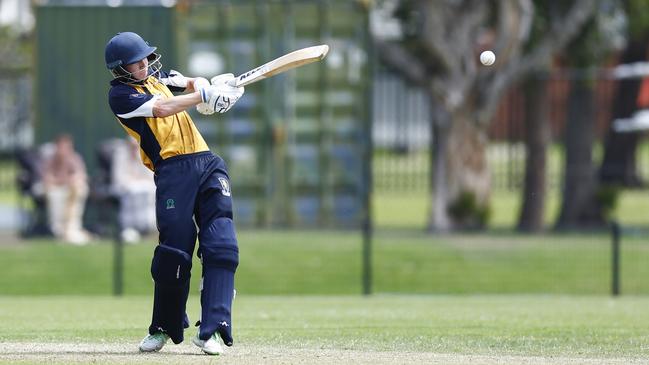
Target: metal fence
{"type": "Point", "coordinates": [401, 132]}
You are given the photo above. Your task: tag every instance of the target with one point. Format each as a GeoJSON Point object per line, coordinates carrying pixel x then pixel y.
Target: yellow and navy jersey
{"type": "Point", "coordinates": [159, 138]}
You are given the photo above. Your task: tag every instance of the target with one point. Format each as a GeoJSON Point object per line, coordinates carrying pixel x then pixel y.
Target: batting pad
{"type": "Point", "coordinates": [171, 266]}
{"type": "Point", "coordinates": [171, 270]}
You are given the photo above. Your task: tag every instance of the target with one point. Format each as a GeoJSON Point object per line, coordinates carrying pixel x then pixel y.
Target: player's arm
{"type": "Point", "coordinates": [177, 82]}
{"type": "Point", "coordinates": [176, 104]}
{"type": "Point", "coordinates": [208, 98]}
{"type": "Point", "coordinates": [219, 97]}
{"type": "Point", "coordinates": [193, 83]}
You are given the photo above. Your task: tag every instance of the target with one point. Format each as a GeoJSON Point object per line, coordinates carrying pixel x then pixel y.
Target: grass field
{"type": "Point", "coordinates": [412, 208]}
{"type": "Point", "coordinates": [383, 329]}
{"type": "Point", "coordinates": [492, 297]}
{"type": "Point", "coordinates": [401, 182]}
{"type": "Point", "coordinates": [327, 262]}
{"type": "Point", "coordinates": [55, 307]}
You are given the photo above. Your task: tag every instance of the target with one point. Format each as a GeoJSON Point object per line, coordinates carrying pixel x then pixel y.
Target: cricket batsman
{"type": "Point", "coordinates": [193, 195]}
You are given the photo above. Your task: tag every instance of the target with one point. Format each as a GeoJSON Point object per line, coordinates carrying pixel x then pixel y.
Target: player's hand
{"type": "Point", "coordinates": [201, 83]}
{"type": "Point", "coordinates": [220, 96]}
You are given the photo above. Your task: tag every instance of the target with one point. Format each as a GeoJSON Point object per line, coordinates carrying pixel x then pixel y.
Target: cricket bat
{"type": "Point", "coordinates": [284, 63]}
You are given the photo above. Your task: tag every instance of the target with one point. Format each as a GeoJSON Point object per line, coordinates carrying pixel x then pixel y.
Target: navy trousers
{"type": "Point", "coordinates": [194, 199]}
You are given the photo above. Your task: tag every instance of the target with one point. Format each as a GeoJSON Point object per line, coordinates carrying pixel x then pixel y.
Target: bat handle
{"type": "Point", "coordinates": [233, 82]}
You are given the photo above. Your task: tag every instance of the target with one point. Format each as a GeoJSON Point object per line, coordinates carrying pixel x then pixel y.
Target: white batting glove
{"type": "Point", "coordinates": [201, 83]}
{"type": "Point", "coordinates": [174, 78]}
{"type": "Point", "coordinates": [222, 79]}
{"type": "Point", "coordinates": [221, 97]}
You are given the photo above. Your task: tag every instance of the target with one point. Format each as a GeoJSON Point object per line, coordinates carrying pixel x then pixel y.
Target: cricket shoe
{"type": "Point", "coordinates": [211, 346]}
{"type": "Point", "coordinates": [154, 342]}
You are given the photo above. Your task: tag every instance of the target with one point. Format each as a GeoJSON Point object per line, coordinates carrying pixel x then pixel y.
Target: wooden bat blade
{"type": "Point", "coordinates": [284, 63]}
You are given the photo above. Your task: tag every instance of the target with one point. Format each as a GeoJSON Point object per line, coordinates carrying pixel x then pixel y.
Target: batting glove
{"type": "Point", "coordinates": [220, 96]}
{"type": "Point", "coordinates": [201, 83]}
{"type": "Point", "coordinates": [174, 78]}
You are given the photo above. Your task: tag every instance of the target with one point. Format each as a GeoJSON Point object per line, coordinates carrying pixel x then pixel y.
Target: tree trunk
{"type": "Point", "coordinates": [537, 136]}
{"type": "Point", "coordinates": [619, 163]}
{"type": "Point", "coordinates": [462, 182]}
{"type": "Point", "coordinates": [578, 208]}
{"type": "Point", "coordinates": [439, 219]}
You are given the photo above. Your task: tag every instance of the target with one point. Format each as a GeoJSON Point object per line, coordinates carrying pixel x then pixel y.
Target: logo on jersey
{"type": "Point", "coordinates": [225, 186]}
{"type": "Point", "coordinates": [171, 204]}
{"type": "Point", "coordinates": [137, 96]}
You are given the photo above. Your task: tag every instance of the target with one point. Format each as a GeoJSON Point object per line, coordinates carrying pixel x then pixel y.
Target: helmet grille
{"type": "Point", "coordinates": [122, 75]}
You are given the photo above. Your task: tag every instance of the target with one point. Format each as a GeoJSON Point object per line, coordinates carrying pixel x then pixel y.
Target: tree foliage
{"type": "Point", "coordinates": [439, 49]}
{"type": "Point", "coordinates": [442, 38]}
{"type": "Point", "coordinates": [15, 49]}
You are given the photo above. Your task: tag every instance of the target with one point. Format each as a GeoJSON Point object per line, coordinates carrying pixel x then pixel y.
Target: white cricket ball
{"type": "Point", "coordinates": [487, 58]}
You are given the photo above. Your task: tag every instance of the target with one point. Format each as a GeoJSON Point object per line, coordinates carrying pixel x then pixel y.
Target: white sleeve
{"type": "Point", "coordinates": [144, 110]}
{"type": "Point", "coordinates": [174, 78]}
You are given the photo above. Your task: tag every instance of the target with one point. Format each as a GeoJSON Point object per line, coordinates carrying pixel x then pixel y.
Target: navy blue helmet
{"type": "Point", "coordinates": [126, 48]}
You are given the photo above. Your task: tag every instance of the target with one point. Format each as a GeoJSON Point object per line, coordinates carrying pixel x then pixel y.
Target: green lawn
{"type": "Point", "coordinates": [329, 262]}
{"type": "Point", "coordinates": [346, 329]}
{"type": "Point", "coordinates": [411, 209]}
{"type": "Point", "coordinates": [439, 297]}
{"type": "Point", "coordinates": [401, 184]}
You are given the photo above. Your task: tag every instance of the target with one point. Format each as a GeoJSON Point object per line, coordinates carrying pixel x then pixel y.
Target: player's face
{"type": "Point", "coordinates": [139, 69]}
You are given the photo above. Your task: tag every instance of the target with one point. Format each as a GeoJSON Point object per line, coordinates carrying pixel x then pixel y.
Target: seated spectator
{"type": "Point", "coordinates": [133, 184]}
{"type": "Point", "coordinates": [66, 189]}
{"type": "Point", "coordinates": [29, 180]}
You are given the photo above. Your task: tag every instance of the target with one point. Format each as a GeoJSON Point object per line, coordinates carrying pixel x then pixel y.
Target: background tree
{"type": "Point", "coordinates": [15, 49]}
{"type": "Point", "coordinates": [537, 131]}
{"type": "Point", "coordinates": [582, 202]}
{"type": "Point", "coordinates": [439, 52]}
{"type": "Point", "coordinates": [537, 138]}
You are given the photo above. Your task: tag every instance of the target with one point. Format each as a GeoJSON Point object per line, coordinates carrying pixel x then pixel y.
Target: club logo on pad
{"type": "Point", "coordinates": [225, 186]}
